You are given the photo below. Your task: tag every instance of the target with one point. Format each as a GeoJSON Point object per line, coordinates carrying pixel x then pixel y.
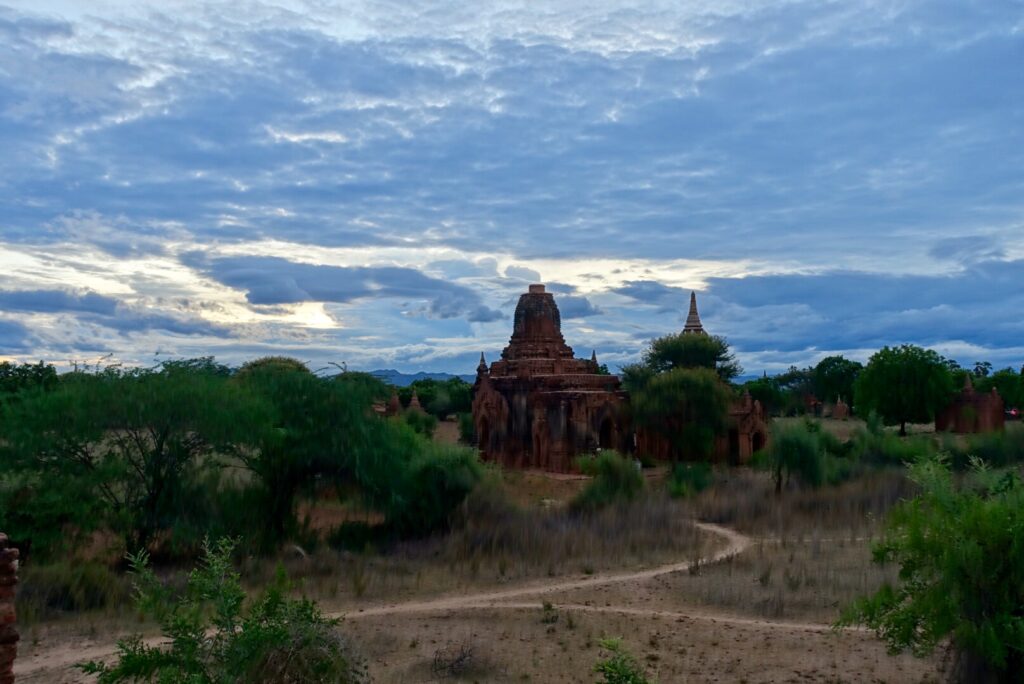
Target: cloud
{"type": "Point", "coordinates": [523, 273]}
{"type": "Point", "coordinates": [90, 307]}
{"type": "Point", "coordinates": [273, 280]}
{"type": "Point", "coordinates": [577, 307]}
{"type": "Point", "coordinates": [14, 337]}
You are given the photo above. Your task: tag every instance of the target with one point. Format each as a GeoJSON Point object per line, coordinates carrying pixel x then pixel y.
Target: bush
{"type": "Point", "coordinates": [467, 430]}
{"type": "Point", "coordinates": [795, 451]}
{"type": "Point", "coordinates": [68, 586]}
{"type": "Point", "coordinates": [423, 423]}
{"type": "Point", "coordinates": [996, 449]}
{"type": "Point", "coordinates": [213, 639]}
{"type": "Point", "coordinates": [688, 479]}
{"type": "Point", "coordinates": [619, 667]}
{"type": "Point", "coordinates": [435, 482]}
{"type": "Point", "coordinates": [616, 479]}
{"type": "Point", "coordinates": [961, 574]}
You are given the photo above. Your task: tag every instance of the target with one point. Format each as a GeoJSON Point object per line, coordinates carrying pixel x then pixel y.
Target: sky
{"type": "Point", "coordinates": [374, 183]}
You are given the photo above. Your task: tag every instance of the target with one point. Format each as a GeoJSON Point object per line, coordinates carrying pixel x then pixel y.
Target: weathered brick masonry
{"type": "Point", "coordinates": [8, 630]}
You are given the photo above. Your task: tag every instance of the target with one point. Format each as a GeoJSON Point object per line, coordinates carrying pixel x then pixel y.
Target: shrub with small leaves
{"type": "Point", "coordinates": [619, 667]}
{"type": "Point", "coordinates": [210, 637]}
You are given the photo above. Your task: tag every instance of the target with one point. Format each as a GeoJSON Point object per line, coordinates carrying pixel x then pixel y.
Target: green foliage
{"type": "Point", "coordinates": [692, 351]}
{"type": "Point", "coordinates": [435, 482]}
{"type": "Point", "coordinates": [994, 449]}
{"type": "Point", "coordinates": [123, 443]}
{"type": "Point", "coordinates": [767, 391]}
{"type": "Point", "coordinates": [619, 667]}
{"type": "Point", "coordinates": [364, 385]}
{"type": "Point", "coordinates": [467, 429]}
{"type": "Point", "coordinates": [874, 446]}
{"type": "Point", "coordinates": [67, 586]}
{"type": "Point", "coordinates": [961, 557]}
{"type": "Point", "coordinates": [440, 398]}
{"type": "Point", "coordinates": [616, 479]}
{"type": "Point", "coordinates": [905, 384]}
{"type": "Point", "coordinates": [1008, 382]}
{"type": "Point", "coordinates": [422, 423]}
{"type": "Point", "coordinates": [688, 479]}
{"type": "Point", "coordinates": [687, 407]}
{"type": "Point", "coordinates": [270, 365]}
{"type": "Point", "coordinates": [212, 638]}
{"type": "Point", "coordinates": [834, 377]}
{"type": "Point", "coordinates": [15, 378]}
{"type": "Point", "coordinates": [795, 451]}
{"type": "Point", "coordinates": [795, 384]}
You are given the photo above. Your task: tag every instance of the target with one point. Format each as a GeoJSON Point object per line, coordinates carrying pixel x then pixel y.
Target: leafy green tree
{"type": "Point", "coordinates": [795, 451]}
{"type": "Point", "coordinates": [961, 580]}
{"type": "Point", "coordinates": [272, 364]}
{"type": "Point", "coordinates": [687, 407]}
{"type": "Point", "coordinates": [321, 429]}
{"type": "Point", "coordinates": [18, 378]}
{"type": "Point", "coordinates": [126, 442]}
{"type": "Point", "coordinates": [905, 384]}
{"type": "Point", "coordinates": [795, 384]}
{"type": "Point", "coordinates": [692, 351]}
{"type": "Point", "coordinates": [1008, 383]}
{"type": "Point", "coordinates": [982, 369]}
{"type": "Point", "coordinates": [767, 391]}
{"type": "Point", "coordinates": [834, 377]}
{"type": "Point", "coordinates": [212, 638]}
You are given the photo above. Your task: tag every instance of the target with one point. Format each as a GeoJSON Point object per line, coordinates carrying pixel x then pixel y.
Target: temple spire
{"type": "Point", "coordinates": [482, 366]}
{"type": "Point", "coordinates": [693, 325]}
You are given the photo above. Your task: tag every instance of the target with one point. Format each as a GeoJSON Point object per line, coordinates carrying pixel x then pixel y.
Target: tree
{"type": "Point", "coordinates": [440, 398]}
{"type": "Point", "coordinates": [124, 443]}
{"type": "Point", "coordinates": [903, 384]}
{"type": "Point", "coordinates": [795, 384]}
{"type": "Point", "coordinates": [272, 364]}
{"type": "Point", "coordinates": [692, 351]}
{"type": "Point", "coordinates": [766, 390]}
{"type": "Point", "coordinates": [686, 407]}
{"type": "Point", "coordinates": [795, 451]}
{"type": "Point", "coordinates": [982, 369]}
{"type": "Point", "coordinates": [15, 378]}
{"type": "Point", "coordinates": [961, 577]}
{"type": "Point", "coordinates": [834, 377]}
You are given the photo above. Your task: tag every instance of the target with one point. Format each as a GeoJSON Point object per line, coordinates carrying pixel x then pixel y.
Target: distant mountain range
{"type": "Point", "coordinates": [393, 377]}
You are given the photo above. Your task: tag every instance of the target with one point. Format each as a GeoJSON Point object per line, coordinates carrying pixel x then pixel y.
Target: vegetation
{"type": "Point", "coordinates": [904, 384]}
{"type": "Point", "coordinates": [834, 378]}
{"type": "Point", "coordinates": [686, 407]}
{"type": "Point", "coordinates": [440, 398]}
{"type": "Point", "coordinates": [616, 479]}
{"type": "Point", "coordinates": [619, 667]}
{"type": "Point", "coordinates": [213, 638]}
{"type": "Point", "coordinates": [162, 457]}
{"type": "Point", "coordinates": [687, 479]}
{"type": "Point", "coordinates": [692, 351]}
{"type": "Point", "coordinates": [961, 579]}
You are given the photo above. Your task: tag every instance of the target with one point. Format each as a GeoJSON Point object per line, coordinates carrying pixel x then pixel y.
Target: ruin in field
{"type": "Point", "coordinates": [539, 406]}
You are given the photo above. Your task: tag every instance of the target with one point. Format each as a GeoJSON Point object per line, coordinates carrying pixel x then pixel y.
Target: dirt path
{"type": "Point", "coordinates": [736, 543]}
{"type": "Point", "coordinates": [40, 665]}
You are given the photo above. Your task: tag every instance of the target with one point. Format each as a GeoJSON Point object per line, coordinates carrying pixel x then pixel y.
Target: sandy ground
{"type": "Point", "coordinates": [512, 637]}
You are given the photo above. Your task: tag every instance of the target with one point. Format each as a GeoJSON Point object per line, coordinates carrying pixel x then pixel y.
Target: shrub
{"type": "Point", "coordinates": [213, 639]}
{"type": "Point", "coordinates": [435, 482]}
{"type": "Point", "coordinates": [688, 479]}
{"type": "Point", "coordinates": [423, 423]}
{"type": "Point", "coordinates": [619, 667]}
{"type": "Point", "coordinates": [961, 574]}
{"type": "Point", "coordinates": [68, 586]}
{"type": "Point", "coordinates": [467, 430]}
{"type": "Point", "coordinates": [996, 449]}
{"type": "Point", "coordinates": [616, 479]}
{"type": "Point", "coordinates": [795, 451]}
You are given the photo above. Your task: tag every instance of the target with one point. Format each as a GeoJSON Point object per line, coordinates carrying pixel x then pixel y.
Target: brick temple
{"type": "Point", "coordinates": [539, 406]}
{"type": "Point", "coordinates": [970, 411]}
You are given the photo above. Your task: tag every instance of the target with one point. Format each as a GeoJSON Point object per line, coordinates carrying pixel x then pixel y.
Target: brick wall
{"type": "Point", "coordinates": [8, 631]}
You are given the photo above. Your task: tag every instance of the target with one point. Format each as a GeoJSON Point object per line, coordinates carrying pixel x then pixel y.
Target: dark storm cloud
{"type": "Point", "coordinates": [90, 307]}
{"type": "Point", "coordinates": [837, 310]}
{"type": "Point", "coordinates": [14, 337]}
{"type": "Point", "coordinates": [577, 307]}
{"type": "Point", "coordinates": [273, 280]}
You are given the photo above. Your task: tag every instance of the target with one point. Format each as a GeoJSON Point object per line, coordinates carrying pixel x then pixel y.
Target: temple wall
{"type": "Point", "coordinates": [8, 630]}
{"type": "Point", "coordinates": [971, 412]}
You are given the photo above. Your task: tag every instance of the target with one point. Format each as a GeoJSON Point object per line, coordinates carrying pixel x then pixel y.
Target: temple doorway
{"type": "Point", "coordinates": [606, 435]}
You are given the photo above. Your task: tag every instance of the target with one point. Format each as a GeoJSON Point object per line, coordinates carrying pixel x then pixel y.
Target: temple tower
{"type": "Point", "coordinates": [693, 325]}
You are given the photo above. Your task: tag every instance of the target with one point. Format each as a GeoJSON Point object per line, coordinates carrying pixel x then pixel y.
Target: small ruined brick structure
{"type": "Point", "coordinates": [8, 631]}
{"type": "Point", "coordinates": [840, 411]}
{"type": "Point", "coordinates": [539, 406]}
{"type": "Point", "coordinates": [971, 411]}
